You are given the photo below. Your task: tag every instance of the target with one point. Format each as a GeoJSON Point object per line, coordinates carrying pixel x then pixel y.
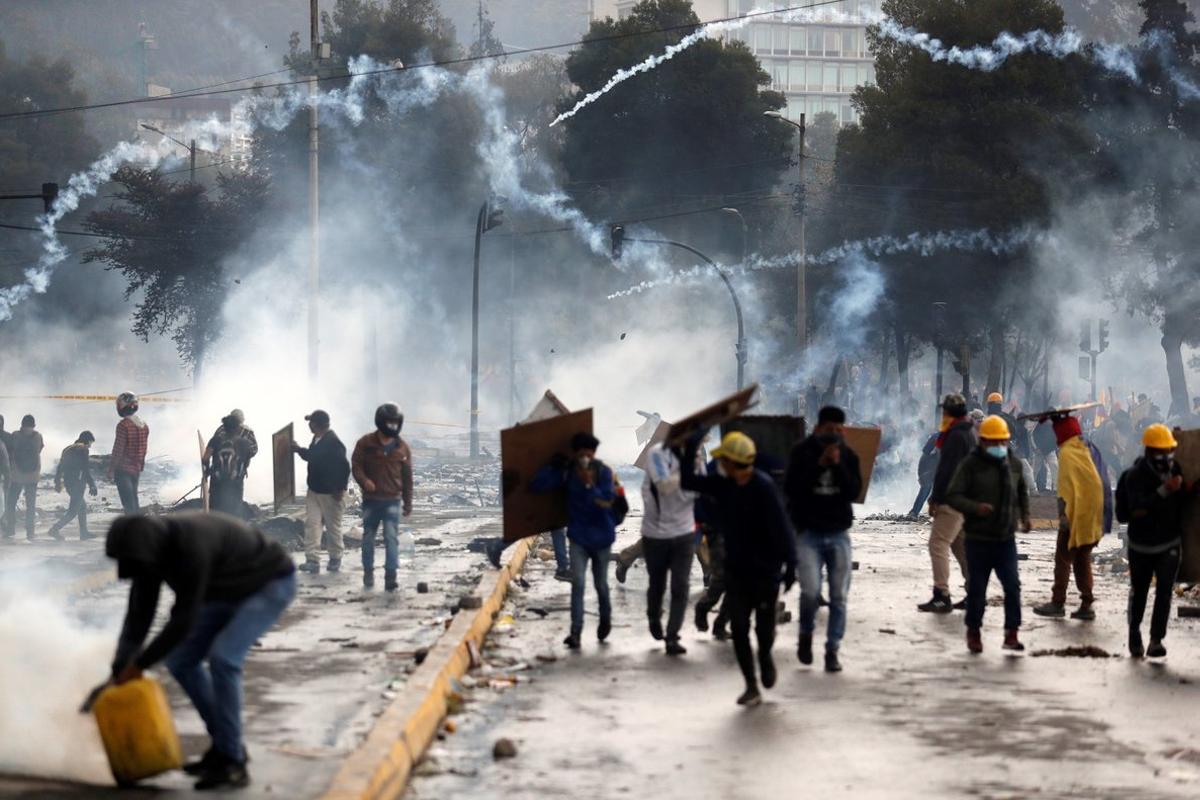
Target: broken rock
{"type": "Point", "coordinates": [504, 748]}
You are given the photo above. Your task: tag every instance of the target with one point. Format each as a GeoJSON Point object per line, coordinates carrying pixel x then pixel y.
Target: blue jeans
{"type": "Point", "coordinates": [580, 556]}
{"type": "Point", "coordinates": [376, 512]}
{"type": "Point", "coordinates": [558, 538]}
{"type": "Point", "coordinates": [222, 635]}
{"type": "Point", "coordinates": [831, 550]}
{"type": "Point", "coordinates": [982, 559]}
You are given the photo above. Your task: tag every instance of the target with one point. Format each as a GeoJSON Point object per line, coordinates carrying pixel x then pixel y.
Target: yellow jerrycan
{"type": "Point", "coordinates": [137, 730]}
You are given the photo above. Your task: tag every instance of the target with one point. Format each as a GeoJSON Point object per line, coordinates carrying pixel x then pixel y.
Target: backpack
{"type": "Point", "coordinates": [227, 461]}
{"type": "Point", "coordinates": [25, 452]}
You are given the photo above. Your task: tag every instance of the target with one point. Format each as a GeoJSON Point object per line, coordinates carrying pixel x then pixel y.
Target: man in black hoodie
{"type": "Point", "coordinates": [955, 443]}
{"type": "Point", "coordinates": [1150, 497]}
{"type": "Point", "coordinates": [760, 549]}
{"type": "Point", "coordinates": [328, 476]}
{"type": "Point", "coordinates": [231, 584]}
{"type": "Point", "coordinates": [822, 481]}
{"type": "Point", "coordinates": [75, 474]}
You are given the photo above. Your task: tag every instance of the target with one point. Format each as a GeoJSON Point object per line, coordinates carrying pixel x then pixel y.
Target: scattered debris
{"type": "Point", "coordinates": [450, 726]}
{"type": "Point", "coordinates": [504, 748]}
{"type": "Point", "coordinates": [422, 587]}
{"type": "Point", "coordinates": [1076, 651]}
{"type": "Point", "coordinates": [887, 631]}
{"type": "Point", "coordinates": [420, 654]}
{"type": "Point", "coordinates": [428, 541]}
{"type": "Point", "coordinates": [470, 602]}
{"type": "Point", "coordinates": [1189, 612]}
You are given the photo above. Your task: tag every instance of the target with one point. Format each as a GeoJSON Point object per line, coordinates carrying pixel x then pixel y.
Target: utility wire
{"type": "Point", "coordinates": [208, 91]}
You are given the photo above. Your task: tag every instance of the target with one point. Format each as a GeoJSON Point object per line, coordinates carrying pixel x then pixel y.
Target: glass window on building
{"type": "Point", "coordinates": [762, 38]}
{"type": "Point", "coordinates": [814, 76]}
{"type": "Point", "coordinates": [799, 41]}
{"type": "Point", "coordinates": [779, 75]}
{"type": "Point", "coordinates": [816, 41]}
{"type": "Point", "coordinates": [796, 76]}
{"type": "Point", "coordinates": [847, 114]}
{"type": "Point", "coordinates": [833, 44]}
{"type": "Point", "coordinates": [866, 74]}
{"type": "Point", "coordinates": [780, 36]}
{"type": "Point", "coordinates": [850, 43]}
{"type": "Point", "coordinates": [830, 82]}
{"type": "Point", "coordinates": [848, 77]}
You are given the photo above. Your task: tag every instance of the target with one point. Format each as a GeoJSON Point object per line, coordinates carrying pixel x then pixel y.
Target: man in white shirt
{"type": "Point", "coordinates": [669, 541]}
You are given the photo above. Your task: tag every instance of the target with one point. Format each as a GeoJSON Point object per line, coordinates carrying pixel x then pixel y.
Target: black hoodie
{"type": "Point", "coordinates": [203, 558]}
{"type": "Point", "coordinates": [819, 495]}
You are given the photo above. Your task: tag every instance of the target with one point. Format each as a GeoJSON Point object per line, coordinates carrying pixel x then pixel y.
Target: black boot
{"type": "Point", "coordinates": [701, 617]}
{"type": "Point", "coordinates": [804, 652]}
{"type": "Point", "coordinates": [939, 604]}
{"type": "Point", "coordinates": [224, 774]}
{"type": "Point", "coordinates": [389, 581]}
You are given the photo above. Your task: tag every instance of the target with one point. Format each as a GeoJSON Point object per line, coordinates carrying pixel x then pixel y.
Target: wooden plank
{"type": "Point", "coordinates": [774, 437]}
{"type": "Point", "coordinates": [284, 463]}
{"type": "Point", "coordinates": [1188, 457]}
{"type": "Point", "coordinates": [712, 416]}
{"type": "Point", "coordinates": [524, 450]}
{"type": "Point", "coordinates": [865, 444]}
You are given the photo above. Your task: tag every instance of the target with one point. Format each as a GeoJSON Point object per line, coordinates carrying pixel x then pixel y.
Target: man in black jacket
{"type": "Point", "coordinates": [760, 549]}
{"type": "Point", "coordinates": [957, 440]}
{"type": "Point", "coordinates": [74, 473]}
{"type": "Point", "coordinates": [822, 481]}
{"type": "Point", "coordinates": [1150, 499]}
{"type": "Point", "coordinates": [328, 476]}
{"type": "Point", "coordinates": [231, 584]}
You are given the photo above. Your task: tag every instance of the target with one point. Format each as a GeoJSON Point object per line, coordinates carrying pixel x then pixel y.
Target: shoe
{"type": "Point", "coordinates": [493, 549]}
{"type": "Point", "coordinates": [85, 535]}
{"type": "Point", "coordinates": [1050, 609]}
{"type": "Point", "coordinates": [1136, 648]}
{"type": "Point", "coordinates": [311, 567]}
{"type": "Point", "coordinates": [389, 581]}
{"type": "Point", "coordinates": [603, 629]}
{"type": "Point", "coordinates": [225, 775]}
{"type": "Point", "coordinates": [335, 565]}
{"type": "Point", "coordinates": [562, 575]}
{"type": "Point", "coordinates": [750, 698]}
{"type": "Point", "coordinates": [1156, 649]}
{"type": "Point", "coordinates": [804, 652]}
{"type": "Point", "coordinates": [674, 648]}
{"type": "Point", "coordinates": [701, 618]}
{"type": "Point", "coordinates": [961, 605]}
{"type": "Point", "coordinates": [831, 661]}
{"type": "Point", "coordinates": [622, 570]}
{"type": "Point", "coordinates": [974, 640]}
{"type": "Point", "coordinates": [1011, 642]}
{"type": "Point", "coordinates": [656, 629]}
{"type": "Point", "coordinates": [719, 632]}
{"type": "Point", "coordinates": [206, 762]}
{"type": "Point", "coordinates": [572, 641]}
{"type": "Point", "coordinates": [939, 604]}
{"type": "Point", "coordinates": [1084, 613]}
{"type": "Point", "coordinates": [766, 666]}
{"type": "Point", "coordinates": [368, 580]}
{"type": "Point", "coordinates": [55, 534]}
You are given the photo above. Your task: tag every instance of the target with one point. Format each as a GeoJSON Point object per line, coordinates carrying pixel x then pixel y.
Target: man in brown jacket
{"type": "Point", "coordinates": [382, 465]}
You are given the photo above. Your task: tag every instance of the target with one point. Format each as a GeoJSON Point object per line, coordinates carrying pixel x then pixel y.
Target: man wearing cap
{"type": "Point", "coordinates": [760, 549]}
{"type": "Point", "coordinates": [1150, 497]}
{"type": "Point", "coordinates": [956, 440]}
{"type": "Point", "coordinates": [74, 473]}
{"type": "Point", "coordinates": [1082, 509]}
{"type": "Point", "coordinates": [989, 490]}
{"type": "Point", "coordinates": [226, 461]}
{"type": "Point", "coordinates": [328, 476]}
{"type": "Point", "coordinates": [591, 527]}
{"type": "Point", "coordinates": [231, 584]}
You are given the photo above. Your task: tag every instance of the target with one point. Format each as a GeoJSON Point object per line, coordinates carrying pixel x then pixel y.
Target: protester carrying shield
{"type": "Point", "coordinates": [591, 527]}
{"type": "Point", "coordinates": [990, 491]}
{"type": "Point", "coordinates": [75, 475]}
{"type": "Point", "coordinates": [1150, 498]}
{"type": "Point", "coordinates": [957, 439]}
{"type": "Point", "coordinates": [130, 444]}
{"type": "Point", "coordinates": [382, 466]}
{"type": "Point", "coordinates": [760, 549]}
{"type": "Point", "coordinates": [823, 480]}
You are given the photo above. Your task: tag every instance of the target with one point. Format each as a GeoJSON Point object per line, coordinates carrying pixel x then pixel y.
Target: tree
{"type": "Point", "coordinates": [408, 30]}
{"type": "Point", "coordinates": [486, 43]}
{"type": "Point", "coordinates": [693, 126]}
{"type": "Point", "coordinates": [171, 241]}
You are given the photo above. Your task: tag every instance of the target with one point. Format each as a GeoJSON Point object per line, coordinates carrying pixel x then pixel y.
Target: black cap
{"type": "Point", "coordinates": [321, 418]}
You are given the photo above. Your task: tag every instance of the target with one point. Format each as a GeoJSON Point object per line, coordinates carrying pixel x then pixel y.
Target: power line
{"type": "Point", "coordinates": [209, 92]}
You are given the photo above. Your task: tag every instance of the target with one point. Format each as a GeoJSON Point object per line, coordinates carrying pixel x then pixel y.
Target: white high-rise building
{"type": "Point", "coordinates": [816, 57]}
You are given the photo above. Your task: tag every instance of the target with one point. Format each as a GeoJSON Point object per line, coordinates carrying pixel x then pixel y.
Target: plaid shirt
{"type": "Point", "coordinates": [129, 447]}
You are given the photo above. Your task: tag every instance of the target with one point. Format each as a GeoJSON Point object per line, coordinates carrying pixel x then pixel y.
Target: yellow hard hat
{"type": "Point", "coordinates": [1159, 437]}
{"type": "Point", "coordinates": [737, 447]}
{"type": "Point", "coordinates": [995, 397]}
{"type": "Point", "coordinates": [993, 427]}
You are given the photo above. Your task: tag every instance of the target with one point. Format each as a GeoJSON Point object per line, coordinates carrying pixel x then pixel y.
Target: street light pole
{"type": "Point", "coordinates": [801, 267]}
{"type": "Point", "coordinates": [190, 146]}
{"type": "Point", "coordinates": [488, 218]}
{"type": "Point", "coordinates": [314, 200]}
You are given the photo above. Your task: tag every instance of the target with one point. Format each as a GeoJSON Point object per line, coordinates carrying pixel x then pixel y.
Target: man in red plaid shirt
{"type": "Point", "coordinates": [129, 451]}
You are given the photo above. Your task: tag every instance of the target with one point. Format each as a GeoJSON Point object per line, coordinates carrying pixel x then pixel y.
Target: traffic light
{"type": "Point", "coordinates": [618, 241]}
{"type": "Point", "coordinates": [49, 195]}
{"type": "Point", "coordinates": [1102, 335]}
{"type": "Point", "coordinates": [492, 217]}
{"type": "Point", "coordinates": [1085, 336]}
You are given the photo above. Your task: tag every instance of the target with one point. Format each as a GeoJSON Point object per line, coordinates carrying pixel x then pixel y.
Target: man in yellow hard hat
{"type": "Point", "coordinates": [1018, 434]}
{"type": "Point", "coordinates": [760, 549]}
{"type": "Point", "coordinates": [1149, 498]}
{"type": "Point", "coordinates": [989, 490]}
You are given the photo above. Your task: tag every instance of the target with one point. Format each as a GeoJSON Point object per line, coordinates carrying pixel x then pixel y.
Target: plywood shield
{"type": "Point", "coordinates": [1188, 457]}
{"type": "Point", "coordinates": [711, 417]}
{"type": "Point", "coordinates": [774, 437]}
{"type": "Point", "coordinates": [284, 462]}
{"type": "Point", "coordinates": [524, 450]}
{"type": "Point", "coordinates": [865, 444]}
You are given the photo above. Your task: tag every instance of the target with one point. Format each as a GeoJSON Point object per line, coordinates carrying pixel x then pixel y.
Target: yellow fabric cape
{"type": "Point", "coordinates": [1080, 489]}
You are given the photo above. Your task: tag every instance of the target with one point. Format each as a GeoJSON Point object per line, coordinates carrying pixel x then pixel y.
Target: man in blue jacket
{"type": "Point", "coordinates": [591, 527]}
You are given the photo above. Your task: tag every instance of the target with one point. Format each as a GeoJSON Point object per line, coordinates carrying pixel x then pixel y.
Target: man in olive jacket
{"type": "Point", "coordinates": [989, 490]}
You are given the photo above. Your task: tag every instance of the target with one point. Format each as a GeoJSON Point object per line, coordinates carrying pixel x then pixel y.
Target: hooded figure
{"type": "Point", "coordinates": [231, 584]}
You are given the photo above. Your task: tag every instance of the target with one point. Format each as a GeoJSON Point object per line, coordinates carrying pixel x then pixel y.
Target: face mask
{"type": "Point", "coordinates": [584, 462]}
{"type": "Point", "coordinates": [997, 451]}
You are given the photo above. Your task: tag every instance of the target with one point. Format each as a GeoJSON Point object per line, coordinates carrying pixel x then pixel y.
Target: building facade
{"type": "Point", "coordinates": [816, 57]}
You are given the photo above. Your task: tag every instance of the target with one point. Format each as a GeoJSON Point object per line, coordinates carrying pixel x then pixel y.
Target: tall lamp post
{"type": "Point", "coordinates": [489, 217]}
{"type": "Point", "coordinates": [801, 267]}
{"type": "Point", "coordinates": [189, 146]}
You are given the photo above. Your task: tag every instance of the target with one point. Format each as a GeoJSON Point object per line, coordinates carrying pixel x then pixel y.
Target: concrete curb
{"type": "Point", "coordinates": [381, 765]}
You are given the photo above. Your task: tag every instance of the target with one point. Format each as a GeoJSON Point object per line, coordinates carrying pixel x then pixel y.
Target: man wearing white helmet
{"type": "Point", "coordinates": [129, 452]}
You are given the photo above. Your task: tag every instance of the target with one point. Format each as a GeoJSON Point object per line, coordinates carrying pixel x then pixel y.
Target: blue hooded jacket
{"type": "Point", "coordinates": [589, 510]}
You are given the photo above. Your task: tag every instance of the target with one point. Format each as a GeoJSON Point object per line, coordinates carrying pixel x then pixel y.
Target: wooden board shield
{"type": "Point", "coordinates": [524, 450]}
{"type": "Point", "coordinates": [711, 417]}
{"type": "Point", "coordinates": [774, 437]}
{"type": "Point", "coordinates": [865, 444]}
{"type": "Point", "coordinates": [284, 463]}
{"type": "Point", "coordinates": [1188, 457]}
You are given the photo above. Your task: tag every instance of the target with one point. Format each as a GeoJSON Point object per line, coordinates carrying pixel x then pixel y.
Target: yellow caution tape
{"type": "Point", "coordinates": [91, 397]}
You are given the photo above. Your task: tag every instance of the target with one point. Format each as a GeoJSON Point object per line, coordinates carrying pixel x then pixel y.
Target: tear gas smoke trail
{"type": "Point", "coordinates": [923, 244]}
